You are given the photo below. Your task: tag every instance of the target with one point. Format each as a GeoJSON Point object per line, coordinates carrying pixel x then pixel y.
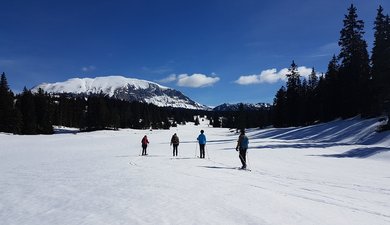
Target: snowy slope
{"type": "Point", "coordinates": [297, 177]}
{"type": "Point", "coordinates": [123, 88]}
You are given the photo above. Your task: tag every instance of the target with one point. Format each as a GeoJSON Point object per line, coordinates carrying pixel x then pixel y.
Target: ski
{"type": "Point", "coordinates": [246, 169]}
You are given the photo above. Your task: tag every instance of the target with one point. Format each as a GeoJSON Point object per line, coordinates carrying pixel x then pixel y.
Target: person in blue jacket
{"type": "Point", "coordinates": [242, 146]}
{"type": "Point", "coordinates": [202, 142]}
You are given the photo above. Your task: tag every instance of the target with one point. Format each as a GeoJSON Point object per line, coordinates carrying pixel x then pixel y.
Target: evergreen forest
{"type": "Point", "coordinates": [354, 83]}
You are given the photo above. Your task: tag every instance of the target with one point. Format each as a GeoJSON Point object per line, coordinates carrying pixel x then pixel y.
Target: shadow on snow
{"type": "Point", "coordinates": [359, 152]}
{"type": "Point", "coordinates": [298, 145]}
{"type": "Point", "coordinates": [353, 130]}
{"type": "Point", "coordinates": [220, 167]}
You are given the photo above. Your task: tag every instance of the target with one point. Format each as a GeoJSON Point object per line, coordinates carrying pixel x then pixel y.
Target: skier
{"type": "Point", "coordinates": [175, 143]}
{"type": "Point", "coordinates": [202, 142]}
{"type": "Point", "coordinates": [145, 143]}
{"type": "Point", "coordinates": [242, 146]}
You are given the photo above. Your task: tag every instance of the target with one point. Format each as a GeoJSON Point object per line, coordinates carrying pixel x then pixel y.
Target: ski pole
{"type": "Point", "coordinates": [207, 152]}
{"type": "Point", "coordinates": [239, 155]}
{"type": "Point", "coordinates": [247, 159]}
{"type": "Point", "coordinates": [196, 148]}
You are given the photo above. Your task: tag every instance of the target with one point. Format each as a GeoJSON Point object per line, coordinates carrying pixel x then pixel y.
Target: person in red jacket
{"type": "Point", "coordinates": [145, 143]}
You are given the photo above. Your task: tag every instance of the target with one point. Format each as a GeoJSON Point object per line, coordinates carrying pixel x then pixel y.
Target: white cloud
{"type": "Point", "coordinates": [88, 68]}
{"type": "Point", "coordinates": [304, 71]}
{"type": "Point", "coordinates": [270, 76]}
{"type": "Point", "coordinates": [168, 79]}
{"type": "Point", "coordinates": [248, 79]}
{"type": "Point", "coordinates": [196, 80]}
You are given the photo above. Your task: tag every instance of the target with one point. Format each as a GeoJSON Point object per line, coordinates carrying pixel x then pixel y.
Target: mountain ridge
{"type": "Point", "coordinates": [120, 87]}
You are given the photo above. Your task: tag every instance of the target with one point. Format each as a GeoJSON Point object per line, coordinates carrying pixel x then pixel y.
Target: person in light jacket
{"type": "Point", "coordinates": [242, 146]}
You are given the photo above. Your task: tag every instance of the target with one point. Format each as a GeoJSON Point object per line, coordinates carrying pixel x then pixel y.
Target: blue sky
{"type": "Point", "coordinates": [213, 51]}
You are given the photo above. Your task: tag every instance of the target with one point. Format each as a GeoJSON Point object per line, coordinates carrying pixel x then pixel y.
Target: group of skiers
{"type": "Point", "coordinates": [242, 145]}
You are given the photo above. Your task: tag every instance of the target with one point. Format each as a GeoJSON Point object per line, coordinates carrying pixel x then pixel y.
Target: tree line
{"type": "Point", "coordinates": [243, 118]}
{"type": "Point", "coordinates": [353, 84]}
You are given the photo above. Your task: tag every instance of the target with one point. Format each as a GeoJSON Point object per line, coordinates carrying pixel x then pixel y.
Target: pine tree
{"type": "Point", "coordinates": [321, 91]}
{"type": "Point", "coordinates": [280, 108]}
{"type": "Point", "coordinates": [304, 102]}
{"type": "Point", "coordinates": [230, 123]}
{"type": "Point", "coordinates": [332, 74]}
{"type": "Point", "coordinates": [313, 80]}
{"type": "Point", "coordinates": [331, 91]}
{"type": "Point", "coordinates": [354, 68]}
{"type": "Point", "coordinates": [312, 101]}
{"type": "Point", "coordinates": [6, 102]}
{"type": "Point", "coordinates": [10, 120]}
{"type": "Point", "coordinates": [380, 62]}
{"type": "Point", "coordinates": [27, 108]}
{"type": "Point", "coordinates": [242, 120]}
{"type": "Point", "coordinates": [386, 88]}
{"type": "Point", "coordinates": [216, 121]}
{"type": "Point", "coordinates": [97, 113]}
{"type": "Point", "coordinates": [197, 121]}
{"type": "Point", "coordinates": [43, 113]}
{"type": "Point", "coordinates": [379, 49]}
{"type": "Point", "coordinates": [293, 103]}
{"type": "Point", "coordinates": [293, 77]}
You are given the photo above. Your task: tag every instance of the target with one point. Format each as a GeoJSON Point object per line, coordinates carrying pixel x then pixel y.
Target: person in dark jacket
{"type": "Point", "coordinates": [175, 143]}
{"type": "Point", "coordinates": [242, 146]}
{"type": "Point", "coordinates": [145, 143]}
{"type": "Point", "coordinates": [202, 143]}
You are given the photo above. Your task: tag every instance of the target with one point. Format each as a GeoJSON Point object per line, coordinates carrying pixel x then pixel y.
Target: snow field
{"type": "Point", "coordinates": [99, 177]}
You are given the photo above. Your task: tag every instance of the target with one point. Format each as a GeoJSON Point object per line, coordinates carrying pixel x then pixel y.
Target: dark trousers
{"type": "Point", "coordinates": [175, 149]}
{"type": "Point", "coordinates": [144, 149]}
{"type": "Point", "coordinates": [201, 147]}
{"type": "Point", "coordinates": [243, 157]}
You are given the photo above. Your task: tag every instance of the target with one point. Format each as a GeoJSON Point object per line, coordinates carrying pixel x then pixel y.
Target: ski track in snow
{"type": "Point", "coordinates": [315, 195]}
{"type": "Point", "coordinates": [99, 178]}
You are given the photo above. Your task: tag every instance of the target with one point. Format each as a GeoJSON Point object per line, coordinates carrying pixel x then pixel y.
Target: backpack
{"type": "Point", "coordinates": [244, 142]}
{"type": "Point", "coordinates": [175, 139]}
{"type": "Point", "coordinates": [144, 141]}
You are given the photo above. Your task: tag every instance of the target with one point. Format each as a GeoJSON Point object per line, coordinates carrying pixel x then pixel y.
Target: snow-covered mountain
{"type": "Point", "coordinates": [236, 107]}
{"type": "Point", "coordinates": [120, 87]}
